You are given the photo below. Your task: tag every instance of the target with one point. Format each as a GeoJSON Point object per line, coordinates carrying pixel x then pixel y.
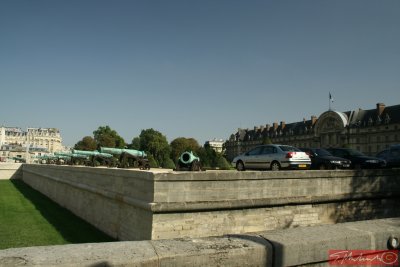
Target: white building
{"type": "Point", "coordinates": [216, 144]}
{"type": "Point", "coordinates": [44, 138]}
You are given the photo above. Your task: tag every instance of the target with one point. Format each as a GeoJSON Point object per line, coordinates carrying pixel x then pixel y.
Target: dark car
{"type": "Point", "coordinates": [391, 156]}
{"type": "Point", "coordinates": [321, 159]}
{"type": "Point", "coordinates": [357, 158]}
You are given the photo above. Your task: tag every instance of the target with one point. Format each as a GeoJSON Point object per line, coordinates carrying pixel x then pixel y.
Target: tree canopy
{"type": "Point", "coordinates": [107, 137]}
{"type": "Point", "coordinates": [87, 143]}
{"type": "Point", "coordinates": [182, 144]}
{"type": "Point", "coordinates": [154, 143]}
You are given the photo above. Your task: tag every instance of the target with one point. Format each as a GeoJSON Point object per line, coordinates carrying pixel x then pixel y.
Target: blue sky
{"type": "Point", "coordinates": [196, 69]}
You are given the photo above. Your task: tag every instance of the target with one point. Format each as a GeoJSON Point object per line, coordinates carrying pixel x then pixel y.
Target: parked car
{"type": "Point", "coordinates": [321, 159]}
{"type": "Point", "coordinates": [357, 158]}
{"type": "Point", "coordinates": [273, 157]}
{"type": "Point", "coordinates": [391, 156]}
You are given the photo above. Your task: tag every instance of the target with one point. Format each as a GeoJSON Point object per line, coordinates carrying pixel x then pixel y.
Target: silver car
{"type": "Point", "coordinates": [273, 157]}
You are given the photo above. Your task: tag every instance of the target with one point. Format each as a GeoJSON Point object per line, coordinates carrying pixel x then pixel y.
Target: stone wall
{"type": "Point", "coordinates": [143, 205]}
{"type": "Point", "coordinates": [10, 171]}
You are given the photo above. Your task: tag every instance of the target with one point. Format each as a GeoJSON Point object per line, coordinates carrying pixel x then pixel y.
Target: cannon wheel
{"type": "Point", "coordinates": [195, 166]}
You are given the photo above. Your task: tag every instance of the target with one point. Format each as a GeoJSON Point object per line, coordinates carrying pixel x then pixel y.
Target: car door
{"type": "Point", "coordinates": [252, 159]}
{"type": "Point", "coordinates": [266, 157]}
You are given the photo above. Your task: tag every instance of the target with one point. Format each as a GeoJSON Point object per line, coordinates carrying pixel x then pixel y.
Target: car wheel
{"type": "Point", "coordinates": [275, 166]}
{"type": "Point", "coordinates": [240, 166]}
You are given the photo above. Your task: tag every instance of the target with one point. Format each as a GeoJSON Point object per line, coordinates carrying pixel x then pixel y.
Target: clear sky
{"type": "Point", "coordinates": [188, 68]}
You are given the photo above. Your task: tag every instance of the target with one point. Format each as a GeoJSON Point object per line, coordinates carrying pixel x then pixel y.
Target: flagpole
{"type": "Point", "coordinates": [330, 101]}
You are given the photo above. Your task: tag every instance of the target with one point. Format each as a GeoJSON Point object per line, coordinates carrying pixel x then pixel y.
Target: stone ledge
{"type": "Point", "coordinates": [307, 245]}
{"type": "Point", "coordinates": [225, 251]}
{"type": "Point", "coordinates": [296, 246]}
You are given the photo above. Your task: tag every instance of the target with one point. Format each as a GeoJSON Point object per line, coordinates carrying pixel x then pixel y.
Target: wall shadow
{"type": "Point", "coordinates": [375, 194]}
{"type": "Point", "coordinates": [72, 228]}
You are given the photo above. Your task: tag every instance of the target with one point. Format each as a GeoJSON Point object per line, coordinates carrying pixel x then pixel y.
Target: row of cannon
{"type": "Point", "coordinates": [117, 157]}
{"type": "Point", "coordinates": [106, 156]}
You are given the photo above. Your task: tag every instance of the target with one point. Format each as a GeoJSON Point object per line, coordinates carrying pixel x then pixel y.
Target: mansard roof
{"type": "Point", "coordinates": [356, 118]}
{"type": "Point", "coordinates": [364, 118]}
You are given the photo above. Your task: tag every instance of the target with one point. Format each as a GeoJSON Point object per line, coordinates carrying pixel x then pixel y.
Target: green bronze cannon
{"type": "Point", "coordinates": [73, 158]}
{"type": "Point", "coordinates": [128, 157]}
{"type": "Point", "coordinates": [94, 157]}
{"type": "Point", "coordinates": [188, 162]}
{"type": "Point", "coordinates": [19, 159]}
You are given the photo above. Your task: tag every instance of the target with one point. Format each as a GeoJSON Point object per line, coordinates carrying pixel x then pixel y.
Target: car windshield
{"type": "Point", "coordinates": [322, 152]}
{"type": "Point", "coordinates": [353, 152]}
{"type": "Point", "coordinates": [289, 148]}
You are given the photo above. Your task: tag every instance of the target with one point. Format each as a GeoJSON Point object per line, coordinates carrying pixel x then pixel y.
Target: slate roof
{"type": "Point", "coordinates": [357, 118]}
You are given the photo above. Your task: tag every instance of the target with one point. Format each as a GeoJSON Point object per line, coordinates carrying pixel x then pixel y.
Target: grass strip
{"type": "Point", "coordinates": [28, 218]}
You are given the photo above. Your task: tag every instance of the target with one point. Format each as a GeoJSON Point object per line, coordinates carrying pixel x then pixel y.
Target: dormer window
{"type": "Point", "coordinates": [387, 118]}
{"type": "Point", "coordinates": [370, 121]}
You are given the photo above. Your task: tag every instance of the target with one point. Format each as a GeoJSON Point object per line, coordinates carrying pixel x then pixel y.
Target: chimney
{"type": "Point", "coordinates": [313, 120]}
{"type": "Point", "coordinates": [261, 128]}
{"type": "Point", "coordinates": [379, 108]}
{"type": "Point", "coordinates": [275, 126]}
{"type": "Point", "coordinates": [283, 124]}
{"type": "Point", "coordinates": [304, 120]}
{"type": "Point", "coordinates": [255, 128]}
{"type": "Point", "coordinates": [268, 127]}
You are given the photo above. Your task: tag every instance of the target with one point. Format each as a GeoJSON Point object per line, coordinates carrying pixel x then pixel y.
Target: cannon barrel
{"type": "Point", "coordinates": [62, 154]}
{"type": "Point", "coordinates": [188, 162]}
{"type": "Point", "coordinates": [91, 153]}
{"type": "Point", "coordinates": [119, 151]}
{"type": "Point", "coordinates": [188, 157]}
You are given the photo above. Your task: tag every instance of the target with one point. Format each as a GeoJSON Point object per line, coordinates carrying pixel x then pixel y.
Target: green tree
{"type": "Point", "coordinates": [105, 136]}
{"type": "Point", "coordinates": [168, 164]}
{"type": "Point", "coordinates": [156, 144]}
{"type": "Point", "coordinates": [207, 156]}
{"type": "Point", "coordinates": [221, 163]}
{"type": "Point", "coordinates": [153, 163]}
{"type": "Point", "coordinates": [135, 143]}
{"type": "Point", "coordinates": [87, 143]}
{"type": "Point", "coordinates": [211, 159]}
{"type": "Point", "coordinates": [182, 144]}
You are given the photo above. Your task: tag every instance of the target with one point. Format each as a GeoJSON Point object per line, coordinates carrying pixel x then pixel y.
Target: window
{"type": "Point", "coordinates": [255, 151]}
{"type": "Point", "coordinates": [268, 150]}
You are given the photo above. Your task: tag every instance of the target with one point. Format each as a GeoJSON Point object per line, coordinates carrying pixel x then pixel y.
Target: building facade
{"type": "Point", "coordinates": [216, 144]}
{"type": "Point", "coordinates": [46, 139]}
{"type": "Point", "coordinates": [369, 131]}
